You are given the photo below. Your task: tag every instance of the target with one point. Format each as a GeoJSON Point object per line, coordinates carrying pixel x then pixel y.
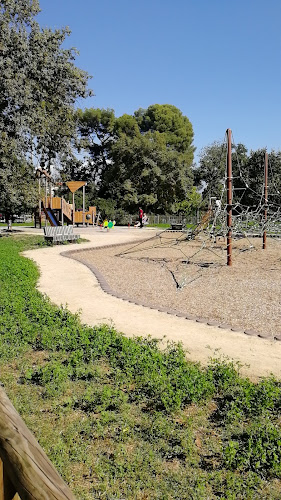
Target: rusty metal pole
{"type": "Point", "coordinates": [265, 199]}
{"type": "Point", "coordinates": [229, 200]}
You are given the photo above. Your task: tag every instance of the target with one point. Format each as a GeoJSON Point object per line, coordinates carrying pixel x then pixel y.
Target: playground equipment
{"type": "Point", "coordinates": [58, 211]}
{"type": "Point", "coordinates": [228, 226]}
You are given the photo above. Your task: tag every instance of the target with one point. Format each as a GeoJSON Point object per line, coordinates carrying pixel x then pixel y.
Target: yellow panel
{"type": "Point", "coordinates": [56, 203]}
{"type": "Point", "coordinates": [74, 185]}
{"type": "Point", "coordinates": [93, 210]}
{"type": "Point", "coordinates": [78, 218]}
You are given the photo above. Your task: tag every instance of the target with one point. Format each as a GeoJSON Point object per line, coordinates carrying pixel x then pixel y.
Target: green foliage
{"type": "Point", "coordinates": [106, 207]}
{"type": "Point", "coordinates": [168, 122]}
{"type": "Point", "coordinates": [39, 84]}
{"type": "Point", "coordinates": [96, 129]}
{"type": "Point", "coordinates": [257, 448]}
{"type": "Point", "coordinates": [191, 203]}
{"type": "Point", "coordinates": [248, 174]}
{"type": "Point", "coordinates": [144, 172]}
{"type": "Point", "coordinates": [243, 399]}
{"type": "Point", "coordinates": [210, 173]}
{"type": "Point", "coordinates": [127, 125]}
{"type": "Point", "coordinates": [138, 160]}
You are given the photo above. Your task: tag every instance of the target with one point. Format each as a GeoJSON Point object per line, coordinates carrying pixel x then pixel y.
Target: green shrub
{"type": "Point", "coordinates": [257, 449]}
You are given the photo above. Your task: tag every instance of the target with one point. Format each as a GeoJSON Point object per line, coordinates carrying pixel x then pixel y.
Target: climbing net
{"type": "Point", "coordinates": [192, 253]}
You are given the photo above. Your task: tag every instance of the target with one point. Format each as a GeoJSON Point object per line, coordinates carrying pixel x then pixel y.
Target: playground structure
{"type": "Point", "coordinates": [229, 219]}
{"type": "Point", "coordinates": [57, 210]}
{"type": "Point", "coordinates": [228, 227]}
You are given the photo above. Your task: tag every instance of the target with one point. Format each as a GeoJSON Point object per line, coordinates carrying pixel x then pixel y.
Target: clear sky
{"type": "Point", "coordinates": [219, 62]}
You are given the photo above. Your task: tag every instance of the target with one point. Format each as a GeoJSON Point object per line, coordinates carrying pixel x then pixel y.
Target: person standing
{"type": "Point", "coordinates": [140, 216]}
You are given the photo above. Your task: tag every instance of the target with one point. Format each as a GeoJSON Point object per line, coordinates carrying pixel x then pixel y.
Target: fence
{"type": "Point", "coordinates": [173, 219]}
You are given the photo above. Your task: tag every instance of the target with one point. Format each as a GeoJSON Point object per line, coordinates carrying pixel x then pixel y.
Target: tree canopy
{"type": "Point", "coordinates": [143, 158]}
{"type": "Point", "coordinates": [170, 125]}
{"type": "Point", "coordinates": [247, 171]}
{"type": "Point", "coordinates": [39, 84]}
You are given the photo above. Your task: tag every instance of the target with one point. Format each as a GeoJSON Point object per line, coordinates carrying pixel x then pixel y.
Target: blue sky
{"type": "Point", "coordinates": [219, 62]}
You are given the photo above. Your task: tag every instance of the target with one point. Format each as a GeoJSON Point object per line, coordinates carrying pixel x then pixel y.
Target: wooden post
{"type": "Point", "coordinates": [83, 189]}
{"type": "Point", "coordinates": [7, 490]}
{"type": "Point", "coordinates": [229, 199]}
{"type": "Point", "coordinates": [62, 220]}
{"type": "Point", "coordinates": [50, 191]}
{"type": "Point", "coordinates": [73, 210]}
{"type": "Point", "coordinates": [26, 469]}
{"type": "Point", "coordinates": [40, 202]}
{"type": "Point", "coordinates": [46, 200]}
{"type": "Point", "coordinates": [265, 199]}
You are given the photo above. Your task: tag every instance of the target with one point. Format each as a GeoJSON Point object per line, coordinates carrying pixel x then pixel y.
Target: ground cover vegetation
{"type": "Point", "coordinates": [122, 418]}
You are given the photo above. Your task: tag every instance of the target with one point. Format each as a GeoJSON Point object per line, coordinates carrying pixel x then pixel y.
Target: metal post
{"type": "Point", "coordinates": [265, 199]}
{"type": "Point", "coordinates": [229, 199]}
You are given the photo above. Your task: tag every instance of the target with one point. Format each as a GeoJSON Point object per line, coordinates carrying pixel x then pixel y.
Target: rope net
{"type": "Point", "coordinates": [188, 254]}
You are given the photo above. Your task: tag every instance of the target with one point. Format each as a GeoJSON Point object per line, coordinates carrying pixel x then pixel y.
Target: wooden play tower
{"type": "Point", "coordinates": [56, 210]}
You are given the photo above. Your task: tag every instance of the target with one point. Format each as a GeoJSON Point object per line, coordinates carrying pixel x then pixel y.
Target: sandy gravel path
{"type": "Point", "coordinates": [68, 282]}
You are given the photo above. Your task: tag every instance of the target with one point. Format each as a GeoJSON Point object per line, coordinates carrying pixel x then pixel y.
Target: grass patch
{"type": "Point", "coordinates": [25, 224]}
{"type": "Point", "coordinates": [121, 418]}
{"type": "Point", "coordinates": [161, 226]}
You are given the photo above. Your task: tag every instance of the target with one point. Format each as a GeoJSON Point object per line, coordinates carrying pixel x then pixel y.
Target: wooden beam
{"type": "Point", "coordinates": [28, 468]}
{"type": "Point", "coordinates": [7, 490]}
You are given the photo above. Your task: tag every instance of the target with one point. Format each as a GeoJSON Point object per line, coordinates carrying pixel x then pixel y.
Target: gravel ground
{"type": "Point", "coordinates": [191, 277]}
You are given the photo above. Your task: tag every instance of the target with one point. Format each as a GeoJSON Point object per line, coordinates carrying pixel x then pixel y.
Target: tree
{"type": "Point", "coordinates": [191, 204]}
{"type": "Point", "coordinates": [209, 176]}
{"type": "Point", "coordinates": [96, 129]}
{"type": "Point", "coordinates": [39, 84]}
{"type": "Point", "coordinates": [170, 125]}
{"type": "Point", "coordinates": [143, 172]}
{"type": "Point", "coordinates": [135, 163]}
{"type": "Point", "coordinates": [274, 180]}
{"type": "Point", "coordinates": [247, 173]}
{"type": "Point", "coordinates": [18, 189]}
{"type": "Point", "coordinates": [128, 125]}
{"type": "Point", "coordinates": [250, 179]}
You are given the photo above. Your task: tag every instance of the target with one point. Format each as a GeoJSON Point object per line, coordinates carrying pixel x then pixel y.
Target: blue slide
{"type": "Point", "coordinates": [51, 217]}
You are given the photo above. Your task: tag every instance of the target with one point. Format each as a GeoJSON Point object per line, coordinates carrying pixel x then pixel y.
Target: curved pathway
{"type": "Point", "coordinates": [69, 282]}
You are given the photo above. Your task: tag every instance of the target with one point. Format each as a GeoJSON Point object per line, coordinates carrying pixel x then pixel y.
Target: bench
{"type": "Point", "coordinates": [59, 234]}
{"type": "Point", "coordinates": [176, 226]}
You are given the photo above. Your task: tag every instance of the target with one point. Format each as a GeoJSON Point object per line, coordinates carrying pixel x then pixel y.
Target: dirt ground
{"type": "Point", "coordinates": [191, 276]}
